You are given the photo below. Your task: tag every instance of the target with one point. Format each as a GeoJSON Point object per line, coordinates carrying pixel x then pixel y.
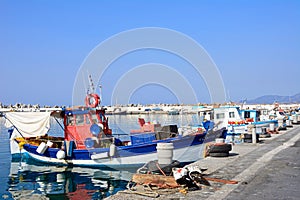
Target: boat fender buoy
{"type": "Point", "coordinates": [112, 150]}
{"type": "Point", "coordinates": [60, 154]}
{"type": "Point", "coordinates": [92, 100]}
{"type": "Point", "coordinates": [95, 129]}
{"type": "Point", "coordinates": [89, 143]}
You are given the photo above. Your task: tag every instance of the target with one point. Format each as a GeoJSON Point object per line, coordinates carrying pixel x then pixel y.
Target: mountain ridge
{"type": "Point", "coordinates": [270, 99]}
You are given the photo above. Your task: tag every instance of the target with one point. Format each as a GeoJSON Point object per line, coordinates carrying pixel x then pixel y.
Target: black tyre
{"type": "Point", "coordinates": [246, 140]}
{"type": "Point", "coordinates": [266, 135]}
{"type": "Point", "coordinates": [282, 128]}
{"type": "Point", "coordinates": [220, 148]}
{"type": "Point", "coordinates": [247, 136]}
{"type": "Point", "coordinates": [221, 154]}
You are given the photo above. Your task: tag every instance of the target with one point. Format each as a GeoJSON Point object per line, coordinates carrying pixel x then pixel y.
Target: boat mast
{"type": "Point", "coordinates": [92, 87]}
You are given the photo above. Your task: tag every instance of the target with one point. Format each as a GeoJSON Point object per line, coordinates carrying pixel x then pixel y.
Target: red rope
{"type": "Point", "coordinates": [157, 165]}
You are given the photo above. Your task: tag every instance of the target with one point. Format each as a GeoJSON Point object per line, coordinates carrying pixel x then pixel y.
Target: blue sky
{"type": "Point", "coordinates": [254, 44]}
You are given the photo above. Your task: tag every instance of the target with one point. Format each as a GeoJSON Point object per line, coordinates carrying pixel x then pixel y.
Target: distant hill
{"type": "Point", "coordinates": [270, 99]}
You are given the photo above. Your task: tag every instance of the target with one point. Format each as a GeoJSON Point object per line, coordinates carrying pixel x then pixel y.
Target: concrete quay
{"type": "Point", "coordinates": [266, 170]}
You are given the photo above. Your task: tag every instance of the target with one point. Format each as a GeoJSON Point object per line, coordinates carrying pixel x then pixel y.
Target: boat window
{"type": "Point", "coordinates": [231, 114]}
{"type": "Point", "coordinates": [220, 116]}
{"type": "Point", "coordinates": [87, 119]}
{"type": "Point", "coordinates": [94, 118]}
{"type": "Point", "coordinates": [70, 121]}
{"type": "Point", "coordinates": [79, 119]}
{"type": "Point", "coordinates": [247, 114]}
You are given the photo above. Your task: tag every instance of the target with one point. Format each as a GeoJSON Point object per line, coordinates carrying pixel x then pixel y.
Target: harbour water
{"type": "Point", "coordinates": [20, 180]}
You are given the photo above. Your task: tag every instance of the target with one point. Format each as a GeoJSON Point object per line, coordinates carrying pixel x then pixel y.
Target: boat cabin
{"type": "Point", "coordinates": [225, 114]}
{"type": "Point", "coordinates": [250, 115]}
{"type": "Point", "coordinates": [78, 123]}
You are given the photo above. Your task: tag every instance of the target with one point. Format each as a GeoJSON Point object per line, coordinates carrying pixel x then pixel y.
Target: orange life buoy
{"type": "Point", "coordinates": [92, 100]}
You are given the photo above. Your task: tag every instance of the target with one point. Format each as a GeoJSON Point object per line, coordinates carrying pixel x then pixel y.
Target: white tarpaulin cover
{"type": "Point", "coordinates": [30, 124]}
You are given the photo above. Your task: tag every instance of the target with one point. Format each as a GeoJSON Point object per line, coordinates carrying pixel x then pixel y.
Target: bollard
{"type": "Point", "coordinates": [288, 123]}
{"type": "Point", "coordinates": [295, 120]}
{"type": "Point", "coordinates": [280, 122]}
{"type": "Point", "coordinates": [165, 153]}
{"type": "Point", "coordinates": [263, 130]}
{"type": "Point", "coordinates": [254, 135]}
{"type": "Point", "coordinates": [272, 127]}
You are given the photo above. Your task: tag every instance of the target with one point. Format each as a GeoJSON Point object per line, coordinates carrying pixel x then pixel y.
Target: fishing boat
{"type": "Point", "coordinates": [173, 111]}
{"type": "Point", "coordinates": [89, 142]}
{"type": "Point", "coordinates": [237, 122]}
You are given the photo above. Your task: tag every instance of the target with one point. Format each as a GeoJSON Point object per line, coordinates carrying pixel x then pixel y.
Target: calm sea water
{"type": "Point", "coordinates": [20, 180]}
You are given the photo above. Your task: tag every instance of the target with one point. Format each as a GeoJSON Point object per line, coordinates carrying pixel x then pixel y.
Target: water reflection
{"type": "Point", "coordinates": [49, 182]}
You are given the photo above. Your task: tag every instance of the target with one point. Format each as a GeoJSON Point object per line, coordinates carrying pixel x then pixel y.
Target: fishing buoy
{"type": "Point", "coordinates": [112, 150]}
{"type": "Point", "coordinates": [60, 154]}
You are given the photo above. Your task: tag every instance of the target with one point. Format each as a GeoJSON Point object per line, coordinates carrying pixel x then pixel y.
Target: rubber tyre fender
{"type": "Point", "coordinates": [247, 136]}
{"type": "Point", "coordinates": [220, 148]}
{"type": "Point", "coordinates": [220, 154]}
{"type": "Point", "coordinates": [267, 135]}
{"type": "Point", "coordinates": [247, 140]}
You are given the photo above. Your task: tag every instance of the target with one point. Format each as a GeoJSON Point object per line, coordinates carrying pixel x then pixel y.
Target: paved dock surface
{"type": "Point", "coordinates": [267, 170]}
{"type": "Point", "coordinates": [279, 178]}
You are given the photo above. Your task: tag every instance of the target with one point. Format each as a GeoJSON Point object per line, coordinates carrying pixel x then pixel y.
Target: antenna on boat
{"type": "Point", "coordinates": [92, 87]}
{"type": "Point", "coordinates": [244, 101]}
{"type": "Point", "coordinates": [100, 88]}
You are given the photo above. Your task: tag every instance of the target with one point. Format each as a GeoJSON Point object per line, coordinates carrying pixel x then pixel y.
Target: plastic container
{"type": "Point", "coordinates": [42, 148]}
{"type": "Point", "coordinates": [165, 153]}
{"type": "Point", "coordinates": [142, 138]}
{"type": "Point", "coordinates": [49, 144]}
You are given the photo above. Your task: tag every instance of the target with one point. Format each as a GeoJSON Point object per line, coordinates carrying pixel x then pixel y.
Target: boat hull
{"type": "Point", "coordinates": [186, 150]}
